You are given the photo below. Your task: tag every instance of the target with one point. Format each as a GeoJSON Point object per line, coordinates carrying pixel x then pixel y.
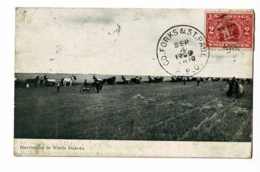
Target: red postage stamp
{"type": "Point", "coordinates": [225, 30]}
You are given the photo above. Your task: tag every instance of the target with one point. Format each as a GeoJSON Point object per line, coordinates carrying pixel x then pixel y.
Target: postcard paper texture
{"type": "Point", "coordinates": [133, 82]}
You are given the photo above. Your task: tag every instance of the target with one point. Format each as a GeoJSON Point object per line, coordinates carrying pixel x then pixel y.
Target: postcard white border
{"type": "Point", "coordinates": [148, 149]}
{"type": "Point", "coordinates": [8, 162]}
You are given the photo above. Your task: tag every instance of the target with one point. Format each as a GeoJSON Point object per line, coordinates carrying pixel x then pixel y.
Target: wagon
{"type": "Point", "coordinates": [87, 88]}
{"type": "Point", "coordinates": [50, 82]}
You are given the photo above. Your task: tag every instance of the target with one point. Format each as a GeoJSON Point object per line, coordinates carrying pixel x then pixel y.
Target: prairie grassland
{"type": "Point", "coordinates": [163, 111]}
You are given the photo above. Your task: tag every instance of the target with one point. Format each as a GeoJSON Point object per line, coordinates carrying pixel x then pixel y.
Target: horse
{"type": "Point", "coordinates": [111, 80]}
{"type": "Point", "coordinates": [98, 83]}
{"type": "Point", "coordinates": [32, 81]}
{"type": "Point", "coordinates": [241, 91]}
{"type": "Point", "coordinates": [159, 79]}
{"type": "Point", "coordinates": [198, 81]}
{"type": "Point", "coordinates": [125, 80]}
{"type": "Point", "coordinates": [155, 79]}
{"type": "Point", "coordinates": [136, 80]}
{"type": "Point", "coordinates": [67, 81]}
{"type": "Point", "coordinates": [151, 79]}
{"type": "Point", "coordinates": [249, 81]}
{"type": "Point", "coordinates": [176, 78]}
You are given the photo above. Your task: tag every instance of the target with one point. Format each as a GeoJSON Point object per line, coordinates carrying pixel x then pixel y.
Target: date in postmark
{"type": "Point", "coordinates": [229, 30]}
{"type": "Point", "coordinates": [182, 50]}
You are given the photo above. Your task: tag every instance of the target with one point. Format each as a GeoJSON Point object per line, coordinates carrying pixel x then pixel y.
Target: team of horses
{"type": "Point", "coordinates": [157, 79]}
{"type": "Point", "coordinates": [234, 87]}
{"type": "Point", "coordinates": [135, 80]}
{"type": "Point", "coordinates": [45, 81]}
{"type": "Point", "coordinates": [67, 81]}
{"type": "Point", "coordinates": [99, 83]}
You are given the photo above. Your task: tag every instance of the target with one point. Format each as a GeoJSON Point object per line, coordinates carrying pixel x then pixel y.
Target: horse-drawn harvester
{"type": "Point", "coordinates": [48, 81]}
{"type": "Point", "coordinates": [91, 87]}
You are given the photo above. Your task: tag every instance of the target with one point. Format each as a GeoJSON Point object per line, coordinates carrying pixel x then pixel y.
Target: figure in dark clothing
{"type": "Point", "coordinates": [236, 88]}
{"type": "Point", "coordinates": [198, 81]}
{"type": "Point", "coordinates": [58, 86]}
{"type": "Point", "coordinates": [232, 86]}
{"type": "Point", "coordinates": [230, 89]}
{"type": "Point", "coordinates": [233, 80]}
{"type": "Point", "coordinates": [41, 81]}
{"type": "Point", "coordinates": [184, 80]}
{"type": "Point", "coordinates": [45, 78]}
{"type": "Point", "coordinates": [85, 83]}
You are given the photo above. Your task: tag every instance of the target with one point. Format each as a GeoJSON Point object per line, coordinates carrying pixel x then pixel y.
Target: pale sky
{"type": "Point", "coordinates": [109, 41]}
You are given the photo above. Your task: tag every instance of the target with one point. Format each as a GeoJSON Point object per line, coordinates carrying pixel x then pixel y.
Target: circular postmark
{"type": "Point", "coordinates": [182, 50]}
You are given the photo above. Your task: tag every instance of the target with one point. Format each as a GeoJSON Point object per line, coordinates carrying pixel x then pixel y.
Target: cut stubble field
{"type": "Point", "coordinates": [163, 111]}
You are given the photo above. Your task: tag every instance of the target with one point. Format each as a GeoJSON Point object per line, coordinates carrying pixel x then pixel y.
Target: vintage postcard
{"type": "Point", "coordinates": [133, 82]}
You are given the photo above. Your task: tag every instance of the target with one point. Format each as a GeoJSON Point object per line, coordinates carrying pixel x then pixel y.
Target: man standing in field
{"type": "Point", "coordinates": [58, 86]}
{"type": "Point", "coordinates": [184, 80]}
{"type": "Point", "coordinates": [85, 83]}
{"type": "Point", "coordinates": [198, 81]}
{"type": "Point", "coordinates": [41, 81]}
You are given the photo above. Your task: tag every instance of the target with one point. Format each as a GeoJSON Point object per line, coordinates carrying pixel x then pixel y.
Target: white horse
{"type": "Point", "coordinates": [68, 80]}
{"type": "Point", "coordinates": [241, 91]}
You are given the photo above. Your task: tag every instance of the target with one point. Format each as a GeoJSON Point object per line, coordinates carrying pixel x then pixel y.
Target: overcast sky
{"type": "Point", "coordinates": [108, 41]}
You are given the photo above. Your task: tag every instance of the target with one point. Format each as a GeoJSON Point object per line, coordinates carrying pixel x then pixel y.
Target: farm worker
{"type": "Point", "coordinates": [233, 80]}
{"type": "Point", "coordinates": [184, 80]}
{"type": "Point", "coordinates": [85, 83]}
{"type": "Point", "coordinates": [198, 81]}
{"type": "Point", "coordinates": [41, 81]}
{"type": "Point", "coordinates": [58, 86]}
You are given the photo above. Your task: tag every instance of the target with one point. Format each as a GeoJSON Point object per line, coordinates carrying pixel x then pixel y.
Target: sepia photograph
{"type": "Point", "coordinates": [133, 76]}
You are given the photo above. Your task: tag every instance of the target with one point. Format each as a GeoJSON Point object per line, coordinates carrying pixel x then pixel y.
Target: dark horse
{"type": "Point", "coordinates": [155, 79]}
{"type": "Point", "coordinates": [98, 83]}
{"type": "Point", "coordinates": [32, 81]}
{"type": "Point", "coordinates": [176, 79]}
{"type": "Point", "coordinates": [111, 80]}
{"type": "Point", "coordinates": [136, 80]}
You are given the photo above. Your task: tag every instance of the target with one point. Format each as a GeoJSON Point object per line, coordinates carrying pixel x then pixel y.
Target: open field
{"type": "Point", "coordinates": [164, 111]}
